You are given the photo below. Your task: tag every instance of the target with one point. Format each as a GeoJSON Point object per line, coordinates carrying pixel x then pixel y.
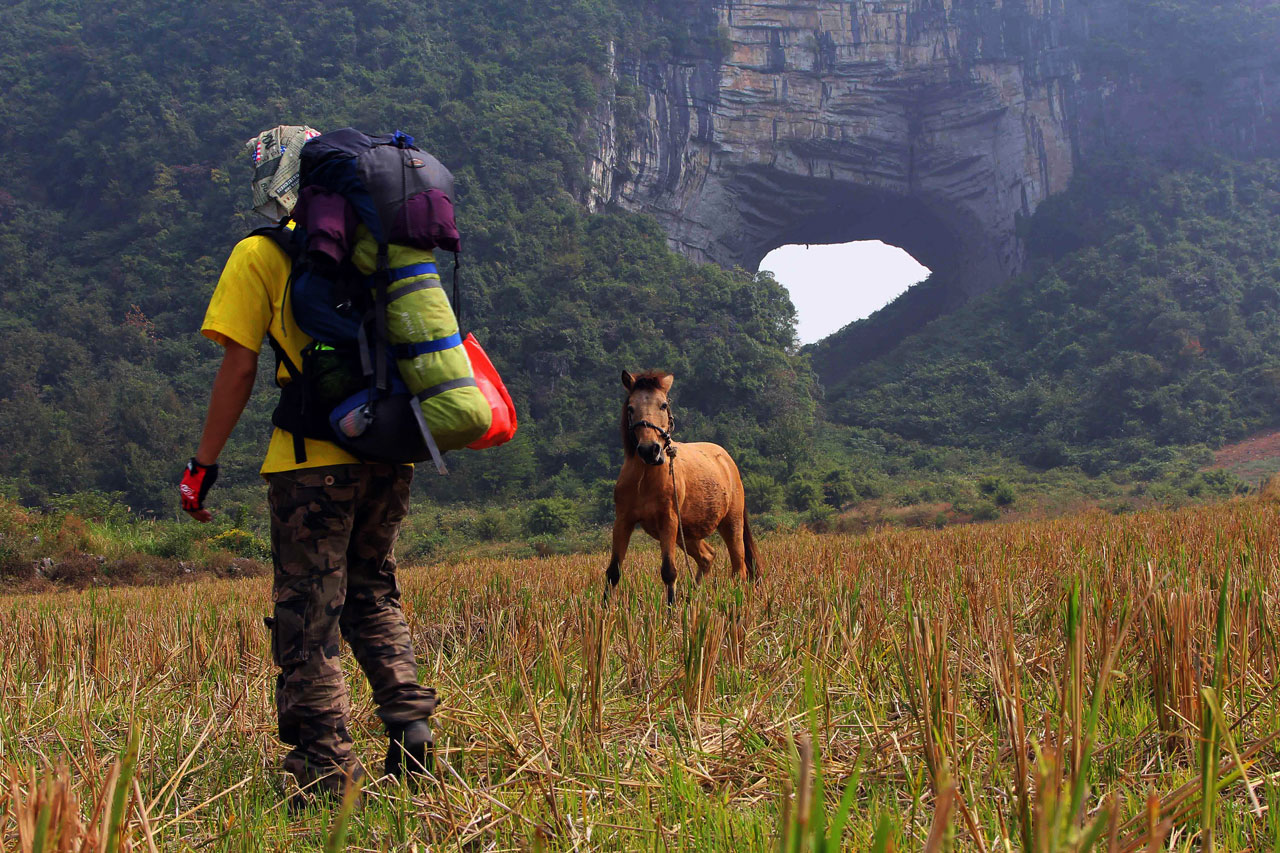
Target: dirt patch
{"type": "Point", "coordinates": [1255, 459]}
{"type": "Point", "coordinates": [81, 571]}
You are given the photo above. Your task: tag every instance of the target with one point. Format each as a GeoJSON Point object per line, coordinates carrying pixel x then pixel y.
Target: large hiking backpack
{"type": "Point", "coordinates": [387, 377]}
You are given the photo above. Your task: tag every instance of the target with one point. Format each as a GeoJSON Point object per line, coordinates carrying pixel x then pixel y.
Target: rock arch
{"type": "Point", "coordinates": [933, 125]}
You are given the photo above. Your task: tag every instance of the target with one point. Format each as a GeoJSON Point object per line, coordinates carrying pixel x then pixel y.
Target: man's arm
{"type": "Point", "coordinates": [231, 390]}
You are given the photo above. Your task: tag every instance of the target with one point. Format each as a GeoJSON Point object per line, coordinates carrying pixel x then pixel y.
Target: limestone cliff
{"type": "Point", "coordinates": [934, 125]}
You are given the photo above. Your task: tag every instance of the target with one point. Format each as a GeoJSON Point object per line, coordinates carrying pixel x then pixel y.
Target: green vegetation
{"type": "Point", "coordinates": [1143, 333]}
{"type": "Point", "coordinates": [124, 190]}
{"type": "Point", "coordinates": [1149, 322]}
{"type": "Point", "coordinates": [1195, 45]}
{"type": "Point", "coordinates": [93, 540]}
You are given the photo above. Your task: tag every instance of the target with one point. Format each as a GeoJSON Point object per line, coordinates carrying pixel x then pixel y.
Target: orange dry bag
{"type": "Point", "coordinates": [503, 428]}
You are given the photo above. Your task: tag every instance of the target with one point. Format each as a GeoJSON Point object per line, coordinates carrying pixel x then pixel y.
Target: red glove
{"type": "Point", "coordinates": [197, 480]}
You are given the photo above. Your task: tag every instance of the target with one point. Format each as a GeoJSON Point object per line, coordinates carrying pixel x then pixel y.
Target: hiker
{"type": "Point", "coordinates": [334, 519]}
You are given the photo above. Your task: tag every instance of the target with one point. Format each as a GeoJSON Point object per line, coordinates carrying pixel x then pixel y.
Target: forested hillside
{"type": "Point", "coordinates": [1150, 319]}
{"type": "Point", "coordinates": [125, 188]}
{"type": "Point", "coordinates": [1145, 324]}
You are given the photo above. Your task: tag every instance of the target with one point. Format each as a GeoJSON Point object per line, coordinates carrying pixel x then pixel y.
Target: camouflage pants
{"type": "Point", "coordinates": [332, 533]}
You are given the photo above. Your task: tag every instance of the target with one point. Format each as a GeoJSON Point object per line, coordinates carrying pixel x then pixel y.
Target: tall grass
{"type": "Point", "coordinates": [1090, 683]}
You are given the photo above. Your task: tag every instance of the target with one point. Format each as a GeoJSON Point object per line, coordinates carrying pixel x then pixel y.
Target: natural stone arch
{"type": "Point", "coordinates": [809, 211]}
{"type": "Point", "coordinates": [932, 125]}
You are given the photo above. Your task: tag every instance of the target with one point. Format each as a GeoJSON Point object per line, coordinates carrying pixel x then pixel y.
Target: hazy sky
{"type": "Point", "coordinates": [831, 286]}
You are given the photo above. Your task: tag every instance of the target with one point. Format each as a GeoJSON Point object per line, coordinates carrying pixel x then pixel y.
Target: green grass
{"type": "Point", "coordinates": [1048, 686]}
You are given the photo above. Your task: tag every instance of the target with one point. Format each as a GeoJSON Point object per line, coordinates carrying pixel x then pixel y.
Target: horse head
{"type": "Point", "coordinates": [647, 421]}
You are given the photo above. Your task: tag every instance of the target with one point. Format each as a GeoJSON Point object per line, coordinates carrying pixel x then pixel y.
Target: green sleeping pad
{"type": "Point", "coordinates": [424, 338]}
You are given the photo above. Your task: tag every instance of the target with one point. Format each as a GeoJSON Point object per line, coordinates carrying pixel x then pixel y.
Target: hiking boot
{"type": "Point", "coordinates": [410, 749]}
{"type": "Point", "coordinates": [315, 781]}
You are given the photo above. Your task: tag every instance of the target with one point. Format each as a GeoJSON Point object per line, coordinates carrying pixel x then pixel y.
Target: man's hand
{"type": "Point", "coordinates": [231, 389]}
{"type": "Point", "coordinates": [197, 480]}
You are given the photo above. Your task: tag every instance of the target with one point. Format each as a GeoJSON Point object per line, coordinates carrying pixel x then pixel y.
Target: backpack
{"type": "Point", "coordinates": [387, 376]}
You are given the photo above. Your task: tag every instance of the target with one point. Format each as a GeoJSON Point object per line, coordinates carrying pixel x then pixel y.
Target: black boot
{"type": "Point", "coordinates": [313, 782]}
{"type": "Point", "coordinates": [410, 749]}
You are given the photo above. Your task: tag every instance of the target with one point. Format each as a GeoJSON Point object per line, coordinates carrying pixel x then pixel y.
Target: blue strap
{"type": "Point", "coordinates": [415, 350]}
{"type": "Point", "coordinates": [411, 271]}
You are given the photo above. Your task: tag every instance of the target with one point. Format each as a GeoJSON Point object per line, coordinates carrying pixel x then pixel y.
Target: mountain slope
{"type": "Point", "coordinates": [123, 124]}
{"type": "Point", "coordinates": [1150, 317]}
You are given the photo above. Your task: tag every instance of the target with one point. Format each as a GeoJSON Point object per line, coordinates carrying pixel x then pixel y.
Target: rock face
{"type": "Point", "coordinates": [933, 125]}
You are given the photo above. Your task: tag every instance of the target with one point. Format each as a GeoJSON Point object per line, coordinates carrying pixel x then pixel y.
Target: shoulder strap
{"type": "Point", "coordinates": [288, 239]}
{"type": "Point", "coordinates": [457, 296]}
{"type": "Point", "coordinates": [382, 280]}
{"type": "Point", "coordinates": [295, 376]}
{"type": "Point", "coordinates": [291, 242]}
{"type": "Point", "coordinates": [282, 357]}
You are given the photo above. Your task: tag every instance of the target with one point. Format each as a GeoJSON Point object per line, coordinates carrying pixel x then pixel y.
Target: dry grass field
{"type": "Point", "coordinates": [1094, 682]}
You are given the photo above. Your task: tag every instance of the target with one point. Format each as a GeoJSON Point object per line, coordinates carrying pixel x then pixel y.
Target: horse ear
{"type": "Point", "coordinates": [627, 380]}
{"type": "Point", "coordinates": [665, 382]}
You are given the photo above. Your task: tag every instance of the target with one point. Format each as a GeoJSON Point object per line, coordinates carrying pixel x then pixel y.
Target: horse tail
{"type": "Point", "coordinates": [753, 555]}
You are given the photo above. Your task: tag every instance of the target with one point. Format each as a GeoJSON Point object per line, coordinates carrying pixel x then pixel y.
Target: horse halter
{"type": "Point", "coordinates": [632, 426]}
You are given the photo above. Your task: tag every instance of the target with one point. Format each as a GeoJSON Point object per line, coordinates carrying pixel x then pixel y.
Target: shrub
{"type": "Point", "coordinates": [492, 525]}
{"type": "Point", "coordinates": [803, 495]}
{"type": "Point", "coordinates": [838, 489]}
{"type": "Point", "coordinates": [551, 516]}
{"type": "Point", "coordinates": [175, 541]}
{"type": "Point", "coordinates": [567, 483]}
{"type": "Point", "coordinates": [764, 493]}
{"type": "Point", "coordinates": [418, 544]}
{"type": "Point", "coordinates": [600, 502]}
{"type": "Point", "coordinates": [17, 537]}
{"type": "Point", "coordinates": [242, 543]}
{"type": "Point", "coordinates": [869, 484]}
{"type": "Point", "coordinates": [985, 511]}
{"type": "Point", "coordinates": [105, 507]}
{"type": "Point", "coordinates": [769, 522]}
{"type": "Point", "coordinates": [1219, 483]}
{"type": "Point", "coordinates": [820, 519]}
{"type": "Point", "coordinates": [73, 534]}
{"type": "Point", "coordinates": [999, 489]}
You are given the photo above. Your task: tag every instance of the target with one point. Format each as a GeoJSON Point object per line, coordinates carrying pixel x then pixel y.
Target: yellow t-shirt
{"type": "Point", "coordinates": [249, 303]}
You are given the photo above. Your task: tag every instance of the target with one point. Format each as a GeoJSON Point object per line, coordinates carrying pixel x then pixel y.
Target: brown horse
{"type": "Point", "coordinates": [680, 503]}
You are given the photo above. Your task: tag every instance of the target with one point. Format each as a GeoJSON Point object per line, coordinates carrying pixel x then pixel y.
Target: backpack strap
{"type": "Point", "coordinates": [382, 280]}
{"type": "Point", "coordinates": [411, 271]}
{"type": "Point", "coordinates": [290, 241]}
{"type": "Point", "coordinates": [295, 376]}
{"type": "Point", "coordinates": [421, 397]}
{"type": "Point", "coordinates": [423, 347]}
{"type": "Point", "coordinates": [415, 287]}
{"type": "Point", "coordinates": [457, 295]}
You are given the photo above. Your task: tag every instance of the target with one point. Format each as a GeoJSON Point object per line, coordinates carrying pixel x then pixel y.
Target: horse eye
{"type": "Point", "coordinates": [663, 407]}
{"type": "Point", "coordinates": [631, 409]}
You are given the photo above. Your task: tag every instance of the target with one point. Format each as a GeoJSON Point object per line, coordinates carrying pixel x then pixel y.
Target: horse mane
{"type": "Point", "coordinates": [647, 381]}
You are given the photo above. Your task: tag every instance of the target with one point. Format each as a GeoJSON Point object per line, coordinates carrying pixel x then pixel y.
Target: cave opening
{"type": "Point", "coordinates": [833, 285]}
{"type": "Point", "coordinates": [941, 249]}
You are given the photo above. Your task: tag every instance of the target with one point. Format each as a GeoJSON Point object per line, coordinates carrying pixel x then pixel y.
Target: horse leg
{"type": "Point", "coordinates": [702, 553]}
{"type": "Point", "coordinates": [753, 553]}
{"type": "Point", "coordinates": [730, 529]}
{"type": "Point", "coordinates": [667, 539]}
{"type": "Point", "coordinates": [621, 539]}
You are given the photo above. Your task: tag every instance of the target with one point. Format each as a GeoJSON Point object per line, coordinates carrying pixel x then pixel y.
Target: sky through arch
{"type": "Point", "coordinates": [833, 285]}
